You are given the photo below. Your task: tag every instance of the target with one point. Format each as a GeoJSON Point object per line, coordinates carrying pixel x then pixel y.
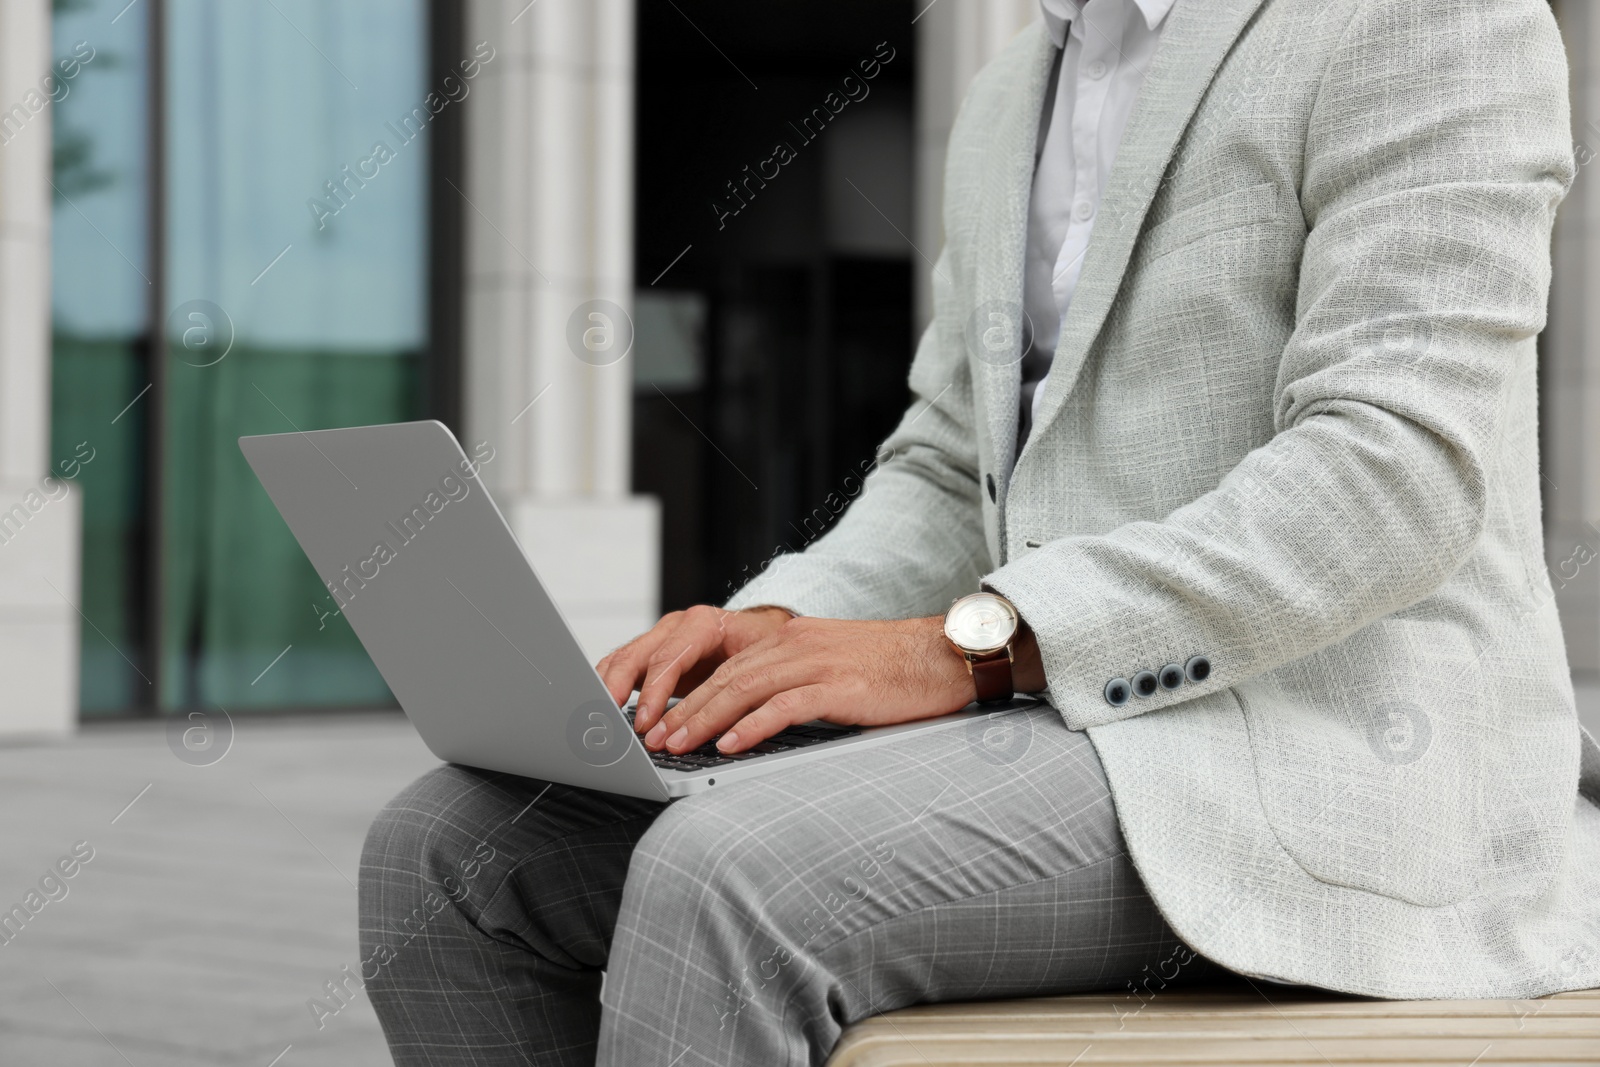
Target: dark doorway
{"type": "Point", "coordinates": [774, 276]}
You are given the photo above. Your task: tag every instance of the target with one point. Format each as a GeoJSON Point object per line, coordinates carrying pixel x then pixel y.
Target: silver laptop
{"type": "Point", "coordinates": [434, 583]}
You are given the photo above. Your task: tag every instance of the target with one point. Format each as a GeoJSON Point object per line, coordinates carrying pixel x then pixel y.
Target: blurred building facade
{"type": "Point", "coordinates": [669, 261]}
{"type": "Point", "coordinates": [1570, 364]}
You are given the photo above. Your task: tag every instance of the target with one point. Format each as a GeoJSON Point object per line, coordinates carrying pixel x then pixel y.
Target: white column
{"type": "Point", "coordinates": [955, 38]}
{"type": "Point", "coordinates": [549, 177]}
{"type": "Point", "coordinates": [1570, 365]}
{"type": "Point", "coordinates": [39, 526]}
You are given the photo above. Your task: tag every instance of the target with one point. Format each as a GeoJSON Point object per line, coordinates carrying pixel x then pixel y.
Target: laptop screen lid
{"type": "Point", "coordinates": [414, 551]}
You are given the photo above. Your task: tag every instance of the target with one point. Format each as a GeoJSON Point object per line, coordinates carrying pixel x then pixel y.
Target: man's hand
{"type": "Point", "coordinates": [677, 653]}
{"type": "Point", "coordinates": [862, 673]}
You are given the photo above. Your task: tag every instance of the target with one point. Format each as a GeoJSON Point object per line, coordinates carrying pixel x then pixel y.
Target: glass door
{"type": "Point", "coordinates": [295, 269]}
{"type": "Point", "coordinates": [241, 233]}
{"type": "Point", "coordinates": [102, 287]}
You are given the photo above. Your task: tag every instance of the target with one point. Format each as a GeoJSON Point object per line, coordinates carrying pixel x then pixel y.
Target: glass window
{"type": "Point", "coordinates": [286, 277]}
{"type": "Point", "coordinates": [295, 207]}
{"type": "Point", "coordinates": [101, 292]}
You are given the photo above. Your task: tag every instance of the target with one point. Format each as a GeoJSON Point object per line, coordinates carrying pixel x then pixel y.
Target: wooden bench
{"type": "Point", "coordinates": [1243, 1023]}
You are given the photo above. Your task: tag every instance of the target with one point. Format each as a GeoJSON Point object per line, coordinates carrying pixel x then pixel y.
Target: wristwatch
{"type": "Point", "coordinates": [982, 627]}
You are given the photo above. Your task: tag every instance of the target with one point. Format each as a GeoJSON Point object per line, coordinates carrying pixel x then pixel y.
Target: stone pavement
{"type": "Point", "coordinates": [214, 907]}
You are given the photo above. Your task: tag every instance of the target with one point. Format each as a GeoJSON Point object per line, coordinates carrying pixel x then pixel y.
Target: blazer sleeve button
{"type": "Point", "coordinates": [1171, 676]}
{"type": "Point", "coordinates": [1198, 669]}
{"type": "Point", "coordinates": [1118, 691]}
{"type": "Point", "coordinates": [988, 481]}
{"type": "Point", "coordinates": [1144, 683]}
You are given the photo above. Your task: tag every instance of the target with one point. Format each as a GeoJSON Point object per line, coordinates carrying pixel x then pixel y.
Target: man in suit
{"type": "Point", "coordinates": [1228, 417]}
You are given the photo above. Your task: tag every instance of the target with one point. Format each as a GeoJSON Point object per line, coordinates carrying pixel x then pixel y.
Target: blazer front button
{"type": "Point", "coordinates": [1118, 691]}
{"type": "Point", "coordinates": [1144, 683]}
{"type": "Point", "coordinates": [988, 480]}
{"type": "Point", "coordinates": [1198, 669]}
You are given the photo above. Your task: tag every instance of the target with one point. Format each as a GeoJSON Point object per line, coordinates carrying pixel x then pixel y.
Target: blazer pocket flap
{"type": "Point", "coordinates": [1235, 208]}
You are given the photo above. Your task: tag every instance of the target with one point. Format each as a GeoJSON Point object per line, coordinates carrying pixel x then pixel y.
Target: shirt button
{"type": "Point", "coordinates": [1083, 211]}
{"type": "Point", "coordinates": [1095, 70]}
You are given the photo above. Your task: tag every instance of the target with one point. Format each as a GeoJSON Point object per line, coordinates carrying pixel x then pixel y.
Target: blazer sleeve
{"type": "Point", "coordinates": [912, 537]}
{"type": "Point", "coordinates": [1436, 152]}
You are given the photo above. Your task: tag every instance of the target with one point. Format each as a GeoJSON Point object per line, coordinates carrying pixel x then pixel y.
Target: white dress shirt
{"type": "Point", "coordinates": [1107, 47]}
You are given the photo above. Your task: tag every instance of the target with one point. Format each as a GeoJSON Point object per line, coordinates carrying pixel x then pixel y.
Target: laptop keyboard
{"type": "Point", "coordinates": [707, 755]}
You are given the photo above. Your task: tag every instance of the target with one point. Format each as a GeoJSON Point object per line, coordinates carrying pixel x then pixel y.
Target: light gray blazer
{"type": "Point", "coordinates": [1291, 427]}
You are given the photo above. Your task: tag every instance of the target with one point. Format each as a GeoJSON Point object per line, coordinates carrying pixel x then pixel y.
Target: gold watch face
{"type": "Point", "coordinates": [981, 623]}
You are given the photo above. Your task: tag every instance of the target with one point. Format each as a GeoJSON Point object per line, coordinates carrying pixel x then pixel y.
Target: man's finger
{"type": "Point", "coordinates": [698, 634]}
{"type": "Point", "coordinates": [769, 650]}
{"type": "Point", "coordinates": [749, 689]}
{"type": "Point", "coordinates": [788, 708]}
{"type": "Point", "coordinates": [666, 664]}
{"type": "Point", "coordinates": [622, 670]}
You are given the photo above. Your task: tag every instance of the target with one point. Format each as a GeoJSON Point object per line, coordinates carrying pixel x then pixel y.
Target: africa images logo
{"type": "Point", "coordinates": [201, 333]}
{"type": "Point", "coordinates": [199, 738]}
{"type": "Point", "coordinates": [1399, 732]}
{"type": "Point", "coordinates": [597, 734]}
{"type": "Point", "coordinates": [999, 332]}
{"type": "Point", "coordinates": [1000, 737]}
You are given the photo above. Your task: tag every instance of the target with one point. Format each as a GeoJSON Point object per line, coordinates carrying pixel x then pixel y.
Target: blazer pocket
{"type": "Point", "coordinates": [1231, 210]}
{"type": "Point", "coordinates": [1370, 761]}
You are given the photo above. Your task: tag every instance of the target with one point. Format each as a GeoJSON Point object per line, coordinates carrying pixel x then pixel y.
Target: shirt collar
{"type": "Point", "coordinates": [1058, 15]}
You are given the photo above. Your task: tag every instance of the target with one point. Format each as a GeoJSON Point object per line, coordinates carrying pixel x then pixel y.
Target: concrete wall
{"type": "Point", "coordinates": [39, 526]}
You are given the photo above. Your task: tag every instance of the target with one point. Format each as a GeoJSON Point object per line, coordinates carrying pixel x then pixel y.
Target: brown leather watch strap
{"type": "Point", "coordinates": [992, 678]}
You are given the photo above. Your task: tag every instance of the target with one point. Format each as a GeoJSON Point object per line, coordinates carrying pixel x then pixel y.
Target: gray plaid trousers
{"type": "Point", "coordinates": [750, 925]}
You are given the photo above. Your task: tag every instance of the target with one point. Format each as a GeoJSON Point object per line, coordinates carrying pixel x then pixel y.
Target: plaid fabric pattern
{"type": "Point", "coordinates": [750, 925]}
{"type": "Point", "coordinates": [487, 908]}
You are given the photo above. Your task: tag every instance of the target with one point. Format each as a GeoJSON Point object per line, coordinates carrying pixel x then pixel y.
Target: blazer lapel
{"type": "Point", "coordinates": [993, 327]}
{"type": "Point", "coordinates": [1193, 45]}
